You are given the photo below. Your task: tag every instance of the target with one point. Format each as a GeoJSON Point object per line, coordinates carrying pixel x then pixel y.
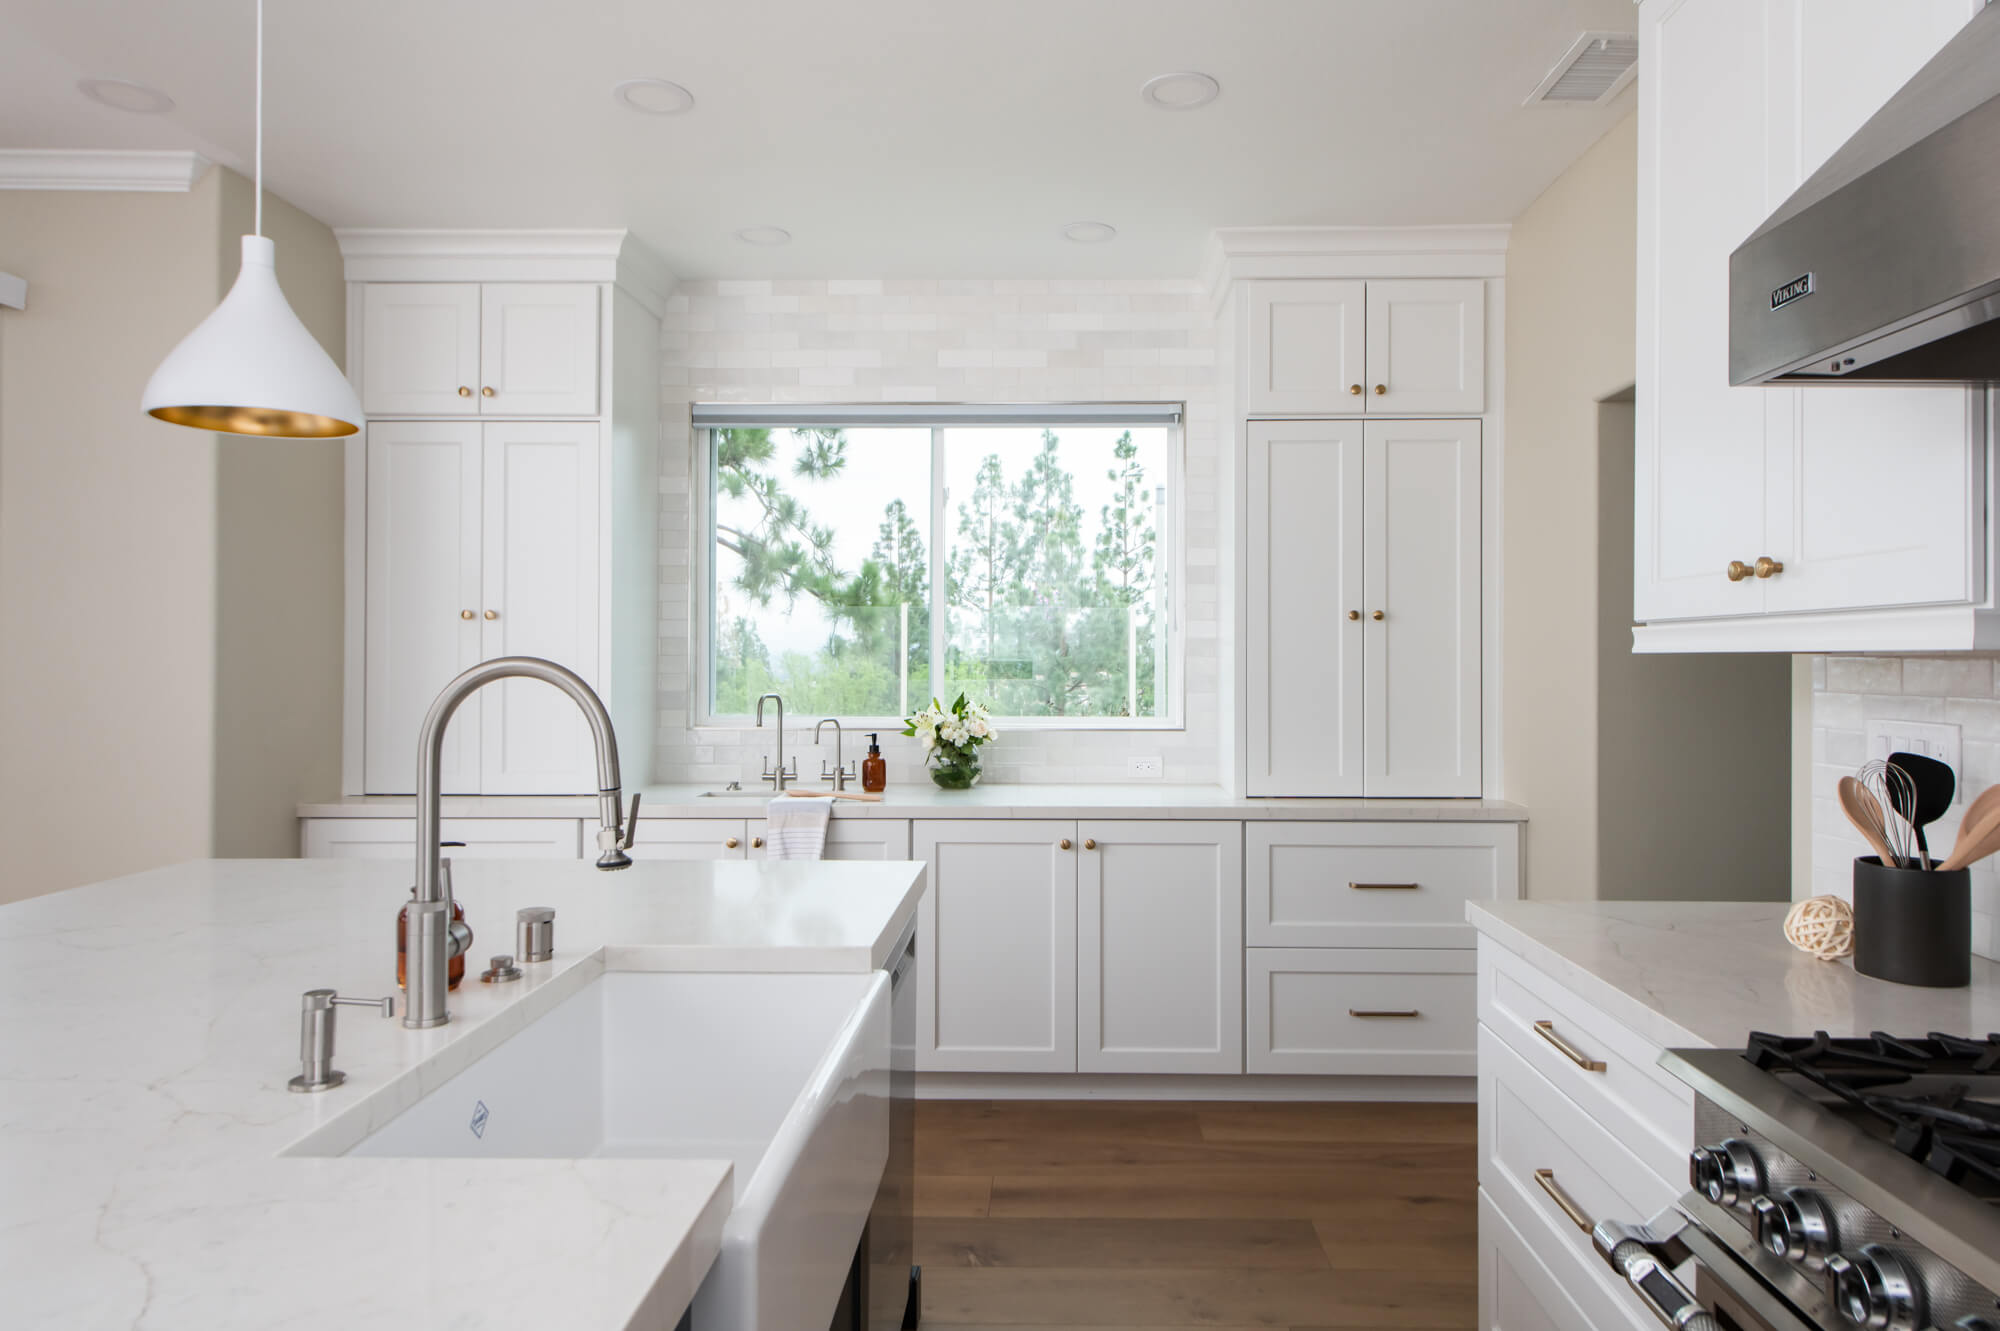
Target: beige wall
{"type": "Point", "coordinates": [136, 557]}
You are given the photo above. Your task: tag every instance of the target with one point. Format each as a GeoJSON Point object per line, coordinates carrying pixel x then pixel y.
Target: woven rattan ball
{"type": "Point", "coordinates": [1823, 926]}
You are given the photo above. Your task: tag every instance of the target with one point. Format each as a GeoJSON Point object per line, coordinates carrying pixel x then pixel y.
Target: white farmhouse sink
{"type": "Point", "coordinates": [786, 1075]}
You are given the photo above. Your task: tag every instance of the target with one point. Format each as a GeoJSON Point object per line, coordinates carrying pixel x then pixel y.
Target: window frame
{"type": "Point", "coordinates": [938, 418]}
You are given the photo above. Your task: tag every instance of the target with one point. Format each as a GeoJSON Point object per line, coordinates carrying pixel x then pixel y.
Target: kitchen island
{"type": "Point", "coordinates": [153, 1021]}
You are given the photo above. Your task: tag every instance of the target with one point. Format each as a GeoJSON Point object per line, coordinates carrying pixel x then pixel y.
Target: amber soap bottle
{"type": "Point", "coordinates": [453, 974]}
{"type": "Point", "coordinates": [874, 772]}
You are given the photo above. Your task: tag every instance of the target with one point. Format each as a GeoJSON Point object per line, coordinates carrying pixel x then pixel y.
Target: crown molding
{"type": "Point", "coordinates": [1234, 253]}
{"type": "Point", "coordinates": [91, 169]}
{"type": "Point", "coordinates": [389, 254]}
{"type": "Point", "coordinates": [13, 292]}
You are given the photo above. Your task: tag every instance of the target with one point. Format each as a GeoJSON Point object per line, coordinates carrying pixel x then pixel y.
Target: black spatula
{"type": "Point", "coordinates": [1934, 785]}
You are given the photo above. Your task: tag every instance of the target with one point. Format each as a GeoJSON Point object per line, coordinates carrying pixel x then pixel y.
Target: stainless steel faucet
{"type": "Point", "coordinates": [841, 773]}
{"type": "Point", "coordinates": [433, 939]}
{"type": "Point", "coordinates": [780, 776]}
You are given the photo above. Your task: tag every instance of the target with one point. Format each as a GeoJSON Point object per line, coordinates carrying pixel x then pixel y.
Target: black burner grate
{"type": "Point", "coordinates": [1937, 1099]}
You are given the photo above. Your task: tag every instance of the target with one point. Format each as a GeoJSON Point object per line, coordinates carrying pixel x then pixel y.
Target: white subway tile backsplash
{"type": "Point", "coordinates": [1950, 677]}
{"type": "Point", "coordinates": [1864, 674]}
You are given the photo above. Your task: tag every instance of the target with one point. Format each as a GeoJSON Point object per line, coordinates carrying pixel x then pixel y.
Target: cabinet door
{"type": "Point", "coordinates": [998, 920]}
{"type": "Point", "coordinates": [1705, 182]}
{"type": "Point", "coordinates": [420, 348]}
{"type": "Point", "coordinates": [539, 590]}
{"type": "Point", "coordinates": [1305, 351]}
{"type": "Point", "coordinates": [484, 838]}
{"type": "Point", "coordinates": [1516, 1291]}
{"type": "Point", "coordinates": [1876, 491]}
{"type": "Point", "coordinates": [538, 349]}
{"type": "Point", "coordinates": [851, 839]}
{"type": "Point", "coordinates": [1159, 947]}
{"type": "Point", "coordinates": [1422, 561]}
{"type": "Point", "coordinates": [1427, 346]}
{"type": "Point", "coordinates": [421, 619]}
{"type": "Point", "coordinates": [1304, 574]}
{"type": "Point", "coordinates": [691, 839]}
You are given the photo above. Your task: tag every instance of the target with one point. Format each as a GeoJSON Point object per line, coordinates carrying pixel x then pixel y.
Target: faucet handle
{"type": "Point", "coordinates": [631, 824]}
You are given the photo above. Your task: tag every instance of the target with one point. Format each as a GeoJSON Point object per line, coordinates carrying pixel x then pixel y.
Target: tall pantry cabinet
{"type": "Point", "coordinates": [500, 499]}
{"type": "Point", "coordinates": [1363, 384]}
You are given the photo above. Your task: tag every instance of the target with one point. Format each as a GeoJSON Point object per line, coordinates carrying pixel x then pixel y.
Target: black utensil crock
{"type": "Point", "coordinates": [1912, 926]}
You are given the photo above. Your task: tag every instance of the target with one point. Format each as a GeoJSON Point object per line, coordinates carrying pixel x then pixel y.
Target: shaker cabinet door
{"type": "Point", "coordinates": [1427, 347]}
{"type": "Point", "coordinates": [420, 349]}
{"type": "Point", "coordinates": [1305, 352]}
{"type": "Point", "coordinates": [538, 349]}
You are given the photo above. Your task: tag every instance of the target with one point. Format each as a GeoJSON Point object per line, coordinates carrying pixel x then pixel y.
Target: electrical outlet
{"type": "Point", "coordinates": [1933, 739]}
{"type": "Point", "coordinates": [1147, 767]}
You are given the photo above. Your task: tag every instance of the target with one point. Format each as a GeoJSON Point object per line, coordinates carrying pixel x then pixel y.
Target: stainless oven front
{"type": "Point", "coordinates": [1695, 1274]}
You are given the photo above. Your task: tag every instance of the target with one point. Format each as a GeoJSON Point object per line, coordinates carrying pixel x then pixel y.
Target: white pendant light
{"type": "Point", "coordinates": [251, 367]}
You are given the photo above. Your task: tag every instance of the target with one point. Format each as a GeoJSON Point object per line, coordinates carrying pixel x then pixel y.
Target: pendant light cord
{"type": "Point", "coordinates": [258, 224]}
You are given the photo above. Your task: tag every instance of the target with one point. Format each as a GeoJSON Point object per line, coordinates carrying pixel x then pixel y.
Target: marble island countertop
{"type": "Point", "coordinates": [1693, 973]}
{"type": "Point", "coordinates": [910, 800]}
{"type": "Point", "coordinates": [152, 1022]}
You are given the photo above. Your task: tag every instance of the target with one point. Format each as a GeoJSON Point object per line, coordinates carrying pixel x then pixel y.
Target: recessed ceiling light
{"type": "Point", "coordinates": [1183, 90]}
{"type": "Point", "coordinates": [656, 97]}
{"type": "Point", "coordinates": [764, 235]}
{"type": "Point", "coordinates": [122, 96]}
{"type": "Point", "coordinates": [1089, 233]}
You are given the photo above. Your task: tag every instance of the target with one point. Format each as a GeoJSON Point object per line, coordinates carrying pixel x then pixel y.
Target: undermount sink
{"type": "Point", "coordinates": [734, 795]}
{"type": "Point", "coordinates": [786, 1075]}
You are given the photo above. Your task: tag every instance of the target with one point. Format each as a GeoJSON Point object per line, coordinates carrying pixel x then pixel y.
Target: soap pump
{"type": "Point", "coordinates": [874, 772]}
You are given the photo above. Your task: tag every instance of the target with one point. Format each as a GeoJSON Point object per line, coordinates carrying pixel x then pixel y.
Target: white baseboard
{"type": "Point", "coordinates": [1114, 1086]}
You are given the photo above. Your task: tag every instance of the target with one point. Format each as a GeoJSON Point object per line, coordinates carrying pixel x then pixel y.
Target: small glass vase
{"type": "Point", "coordinates": [955, 770]}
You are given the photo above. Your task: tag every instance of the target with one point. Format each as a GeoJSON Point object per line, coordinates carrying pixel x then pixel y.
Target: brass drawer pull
{"type": "Point", "coordinates": [1382, 887]}
{"type": "Point", "coordinates": [1564, 1202]}
{"type": "Point", "coordinates": [1547, 1030]}
{"type": "Point", "coordinates": [1383, 1012]}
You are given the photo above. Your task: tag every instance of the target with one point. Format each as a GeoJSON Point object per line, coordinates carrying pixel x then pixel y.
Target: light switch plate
{"type": "Point", "coordinates": [1146, 767]}
{"type": "Point", "coordinates": [1933, 739]}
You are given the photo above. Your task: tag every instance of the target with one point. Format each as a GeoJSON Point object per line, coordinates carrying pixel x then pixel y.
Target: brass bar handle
{"type": "Point", "coordinates": [1382, 887]}
{"type": "Point", "coordinates": [1547, 1030]}
{"type": "Point", "coordinates": [1564, 1202]}
{"type": "Point", "coordinates": [1767, 567]}
{"type": "Point", "coordinates": [1738, 570]}
{"type": "Point", "coordinates": [1383, 1012]}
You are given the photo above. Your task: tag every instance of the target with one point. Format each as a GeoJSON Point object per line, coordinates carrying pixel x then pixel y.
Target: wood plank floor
{"type": "Point", "coordinates": [1134, 1216]}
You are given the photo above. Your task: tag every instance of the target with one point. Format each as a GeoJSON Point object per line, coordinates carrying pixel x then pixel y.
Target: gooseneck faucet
{"type": "Point", "coordinates": [781, 776]}
{"type": "Point", "coordinates": [433, 939]}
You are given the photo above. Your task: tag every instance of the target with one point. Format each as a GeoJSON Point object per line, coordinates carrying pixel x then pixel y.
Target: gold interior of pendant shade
{"type": "Point", "coordinates": [257, 420]}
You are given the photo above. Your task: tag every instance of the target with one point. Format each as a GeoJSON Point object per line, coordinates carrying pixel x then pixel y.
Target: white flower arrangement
{"type": "Point", "coordinates": [951, 733]}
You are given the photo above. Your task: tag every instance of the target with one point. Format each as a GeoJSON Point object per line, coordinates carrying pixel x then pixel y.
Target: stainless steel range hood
{"type": "Point", "coordinates": [1884, 266]}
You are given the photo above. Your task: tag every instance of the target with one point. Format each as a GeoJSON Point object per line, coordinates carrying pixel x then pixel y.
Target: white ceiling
{"type": "Point", "coordinates": [890, 137]}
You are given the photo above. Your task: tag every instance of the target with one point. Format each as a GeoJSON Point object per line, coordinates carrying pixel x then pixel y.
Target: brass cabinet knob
{"type": "Point", "coordinates": [464, 392]}
{"type": "Point", "coordinates": [1064, 843]}
{"type": "Point", "coordinates": [486, 392]}
{"type": "Point", "coordinates": [1380, 389]}
{"type": "Point", "coordinates": [756, 843]}
{"type": "Point", "coordinates": [1738, 570]}
{"type": "Point", "coordinates": [1377, 615]}
{"type": "Point", "coordinates": [732, 843]}
{"type": "Point", "coordinates": [465, 614]}
{"type": "Point", "coordinates": [1768, 567]}
{"type": "Point", "coordinates": [1089, 844]}
{"type": "Point", "coordinates": [493, 614]}
{"type": "Point", "coordinates": [1354, 614]}
{"type": "Point", "coordinates": [1354, 389]}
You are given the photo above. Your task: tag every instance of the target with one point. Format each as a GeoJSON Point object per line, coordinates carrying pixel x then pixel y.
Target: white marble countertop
{"type": "Point", "coordinates": [1151, 800]}
{"type": "Point", "coordinates": [1710, 972]}
{"type": "Point", "coordinates": [151, 1024]}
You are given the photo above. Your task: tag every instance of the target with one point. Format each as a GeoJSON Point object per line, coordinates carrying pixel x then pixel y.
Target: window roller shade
{"type": "Point", "coordinates": [746, 415]}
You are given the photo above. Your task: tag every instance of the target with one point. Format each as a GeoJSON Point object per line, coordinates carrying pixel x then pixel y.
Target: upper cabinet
{"type": "Point", "coordinates": [1342, 348]}
{"type": "Point", "coordinates": [1784, 518]}
{"type": "Point", "coordinates": [479, 349]}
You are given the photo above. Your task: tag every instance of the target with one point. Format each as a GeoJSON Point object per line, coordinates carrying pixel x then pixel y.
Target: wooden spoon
{"type": "Point", "coordinates": [1865, 813]}
{"type": "Point", "coordinates": [1976, 840]}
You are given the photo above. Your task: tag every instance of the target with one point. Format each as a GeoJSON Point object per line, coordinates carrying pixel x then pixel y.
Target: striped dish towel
{"type": "Point", "coordinates": [797, 828]}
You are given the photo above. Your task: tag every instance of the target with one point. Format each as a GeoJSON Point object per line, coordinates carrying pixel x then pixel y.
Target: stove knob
{"type": "Point", "coordinates": [1796, 1226]}
{"type": "Point", "coordinates": [1729, 1174]}
{"type": "Point", "coordinates": [1877, 1289]}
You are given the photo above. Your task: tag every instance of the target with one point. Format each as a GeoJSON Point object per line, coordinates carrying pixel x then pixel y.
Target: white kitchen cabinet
{"type": "Point", "coordinates": [1374, 885]}
{"type": "Point", "coordinates": [1354, 1011]}
{"type": "Point", "coordinates": [420, 349]}
{"type": "Point", "coordinates": [1739, 102]}
{"type": "Point", "coordinates": [538, 349]}
{"type": "Point", "coordinates": [1304, 608]}
{"type": "Point", "coordinates": [997, 923]}
{"type": "Point", "coordinates": [1306, 347]}
{"type": "Point", "coordinates": [484, 838]}
{"type": "Point", "coordinates": [1421, 566]}
{"type": "Point", "coordinates": [1159, 947]}
{"type": "Point", "coordinates": [1426, 346]}
{"type": "Point", "coordinates": [851, 839]}
{"type": "Point", "coordinates": [1363, 599]}
{"type": "Point", "coordinates": [1516, 1291]}
{"type": "Point", "coordinates": [691, 839]}
{"type": "Point", "coordinates": [482, 541]}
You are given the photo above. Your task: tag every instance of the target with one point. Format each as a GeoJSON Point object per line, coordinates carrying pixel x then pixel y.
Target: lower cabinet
{"type": "Point", "coordinates": [1361, 1012]}
{"type": "Point", "coordinates": [484, 838]}
{"type": "Point", "coordinates": [1517, 1292]}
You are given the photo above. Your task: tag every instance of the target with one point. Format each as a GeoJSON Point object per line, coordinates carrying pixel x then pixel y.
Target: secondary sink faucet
{"type": "Point", "coordinates": [841, 773]}
{"type": "Point", "coordinates": [781, 776]}
{"type": "Point", "coordinates": [433, 939]}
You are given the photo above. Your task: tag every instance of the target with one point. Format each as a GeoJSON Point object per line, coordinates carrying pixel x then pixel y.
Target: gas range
{"type": "Point", "coordinates": [1835, 1183]}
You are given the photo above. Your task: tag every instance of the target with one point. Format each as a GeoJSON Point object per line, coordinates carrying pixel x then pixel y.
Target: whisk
{"type": "Point", "coordinates": [1893, 790]}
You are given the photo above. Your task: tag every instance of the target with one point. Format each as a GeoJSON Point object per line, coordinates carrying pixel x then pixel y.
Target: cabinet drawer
{"type": "Point", "coordinates": [1629, 1094]}
{"type": "Point", "coordinates": [1359, 1012]}
{"type": "Point", "coordinates": [1516, 1291]}
{"type": "Point", "coordinates": [691, 839]}
{"type": "Point", "coordinates": [1374, 884]}
{"type": "Point", "coordinates": [484, 838]}
{"type": "Point", "coordinates": [1537, 1148]}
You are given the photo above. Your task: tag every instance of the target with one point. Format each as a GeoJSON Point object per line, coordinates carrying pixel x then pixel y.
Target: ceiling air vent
{"type": "Point", "coordinates": [1594, 68]}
